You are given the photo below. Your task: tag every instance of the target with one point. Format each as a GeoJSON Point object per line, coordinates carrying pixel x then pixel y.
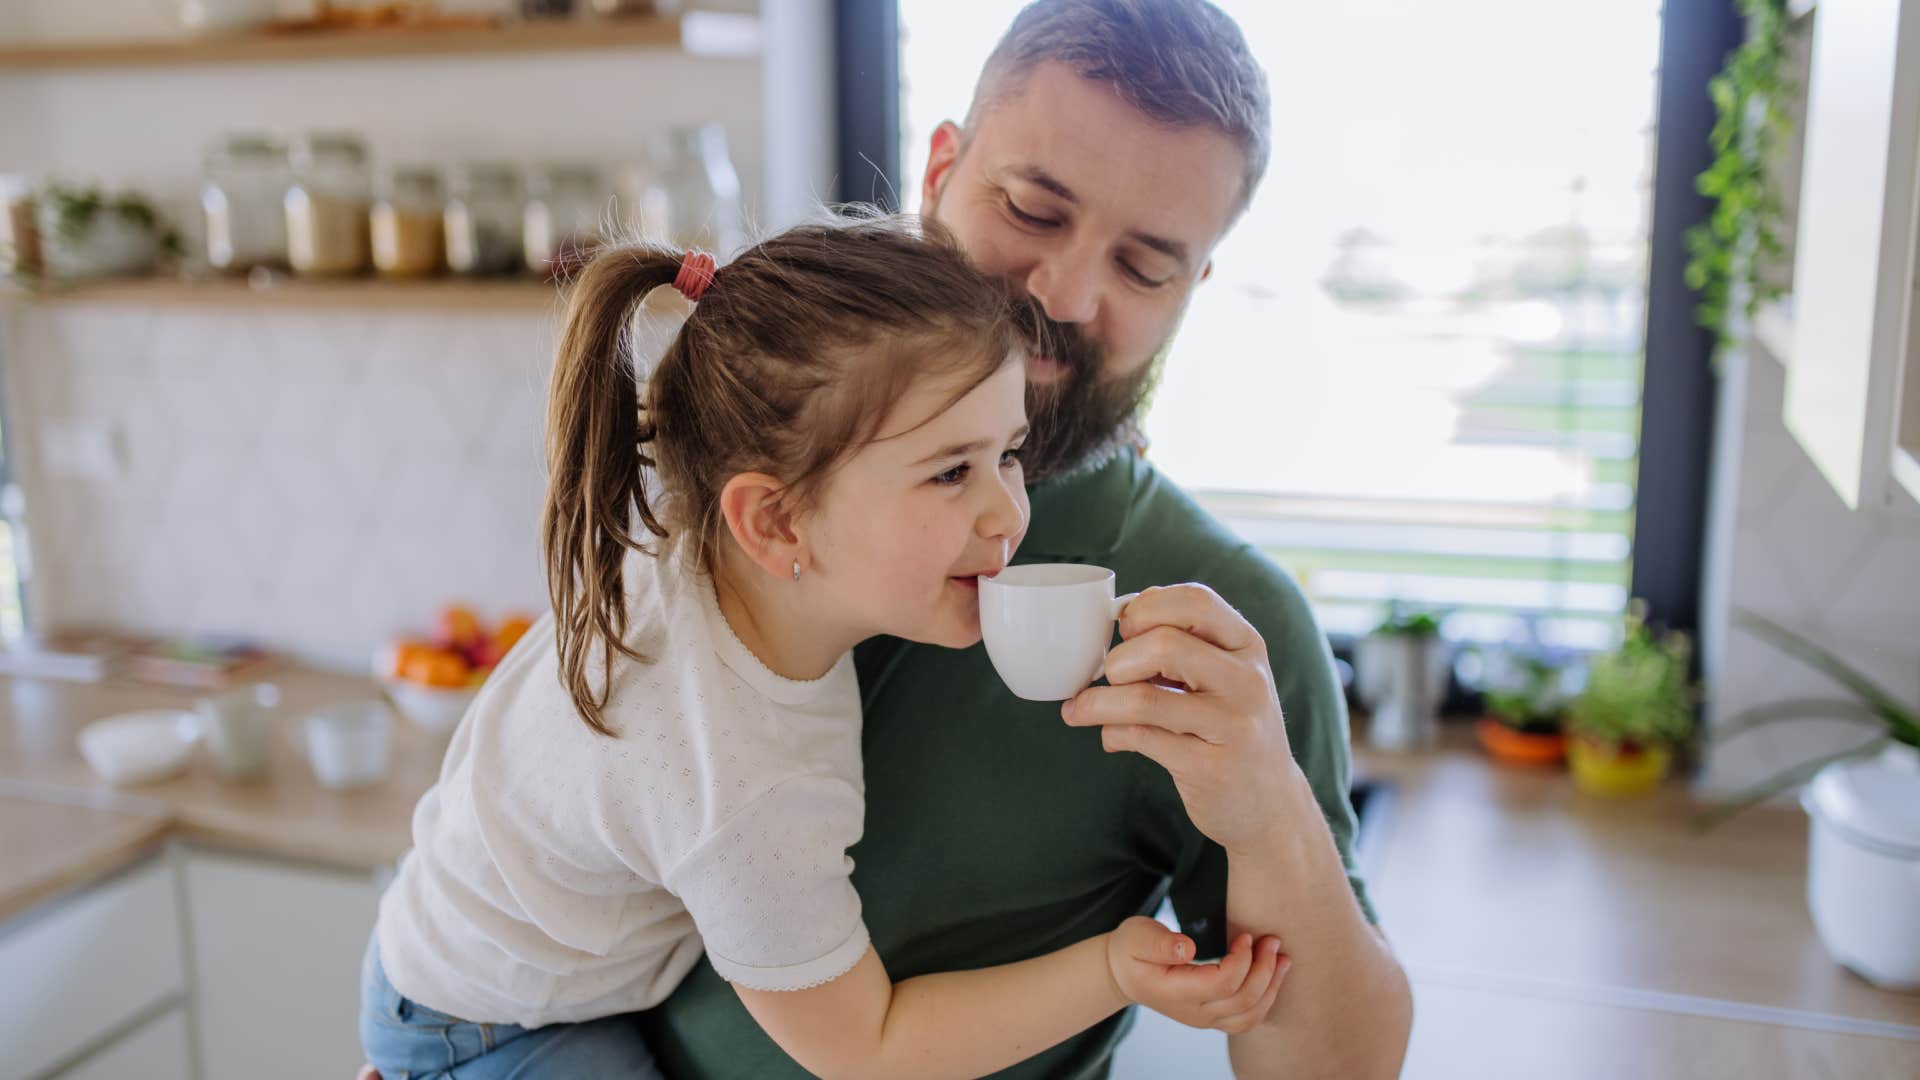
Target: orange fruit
{"type": "Point", "coordinates": [435, 667]}
{"type": "Point", "coordinates": [511, 629]}
{"type": "Point", "coordinates": [396, 658]}
{"type": "Point", "coordinates": [459, 626]}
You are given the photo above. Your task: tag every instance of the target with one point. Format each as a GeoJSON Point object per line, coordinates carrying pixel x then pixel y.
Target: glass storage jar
{"type": "Point", "coordinates": [563, 215]}
{"type": "Point", "coordinates": [483, 220]}
{"type": "Point", "coordinates": [408, 240]}
{"type": "Point", "coordinates": [327, 206]}
{"type": "Point", "coordinates": [247, 176]}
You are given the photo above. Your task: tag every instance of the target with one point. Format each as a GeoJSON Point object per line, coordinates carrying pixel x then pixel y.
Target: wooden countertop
{"type": "Point", "coordinates": [52, 802]}
{"type": "Point", "coordinates": [1571, 935]}
{"type": "Point", "coordinates": [48, 846]}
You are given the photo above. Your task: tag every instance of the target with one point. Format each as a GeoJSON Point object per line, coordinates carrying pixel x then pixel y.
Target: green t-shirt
{"type": "Point", "coordinates": [995, 832]}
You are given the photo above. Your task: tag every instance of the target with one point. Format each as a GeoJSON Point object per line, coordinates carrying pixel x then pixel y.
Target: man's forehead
{"type": "Point", "coordinates": [1080, 140]}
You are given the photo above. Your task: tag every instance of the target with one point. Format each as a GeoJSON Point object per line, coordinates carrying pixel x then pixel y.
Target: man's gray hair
{"type": "Point", "coordinates": [1182, 63]}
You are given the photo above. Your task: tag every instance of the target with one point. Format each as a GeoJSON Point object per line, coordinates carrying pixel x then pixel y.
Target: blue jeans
{"type": "Point", "coordinates": [405, 1040]}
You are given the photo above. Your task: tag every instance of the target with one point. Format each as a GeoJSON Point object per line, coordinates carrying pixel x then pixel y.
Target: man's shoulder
{"type": "Point", "coordinates": [1169, 537]}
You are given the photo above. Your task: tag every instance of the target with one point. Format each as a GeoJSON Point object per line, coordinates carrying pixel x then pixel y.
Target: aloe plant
{"type": "Point", "coordinates": [1869, 707]}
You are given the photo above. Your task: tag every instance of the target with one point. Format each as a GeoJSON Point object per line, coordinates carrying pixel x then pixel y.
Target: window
{"type": "Point", "coordinates": [1415, 374]}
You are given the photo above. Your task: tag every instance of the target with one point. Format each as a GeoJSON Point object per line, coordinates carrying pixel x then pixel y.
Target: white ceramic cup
{"type": "Point", "coordinates": [238, 728]}
{"type": "Point", "coordinates": [1048, 625]}
{"type": "Point", "coordinates": [351, 744]}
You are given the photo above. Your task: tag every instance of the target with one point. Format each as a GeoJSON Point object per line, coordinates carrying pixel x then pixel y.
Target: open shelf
{"type": "Point", "coordinates": [697, 33]}
{"type": "Point", "coordinates": [501, 295]}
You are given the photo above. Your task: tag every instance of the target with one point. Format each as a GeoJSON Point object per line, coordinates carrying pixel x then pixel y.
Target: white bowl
{"type": "Point", "coordinates": [137, 748]}
{"type": "Point", "coordinates": [436, 709]}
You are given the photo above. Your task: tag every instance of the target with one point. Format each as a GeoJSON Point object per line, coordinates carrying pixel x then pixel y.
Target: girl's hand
{"type": "Point", "coordinates": [1153, 966]}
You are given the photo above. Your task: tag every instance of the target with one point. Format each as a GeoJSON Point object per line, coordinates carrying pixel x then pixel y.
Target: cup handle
{"type": "Point", "coordinates": [1120, 603]}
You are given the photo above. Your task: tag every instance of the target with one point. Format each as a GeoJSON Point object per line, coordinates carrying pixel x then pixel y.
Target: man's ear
{"type": "Point", "coordinates": [943, 153]}
{"type": "Point", "coordinates": [761, 521]}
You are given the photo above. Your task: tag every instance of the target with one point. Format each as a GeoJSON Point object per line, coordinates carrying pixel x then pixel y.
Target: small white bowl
{"type": "Point", "coordinates": [141, 747]}
{"type": "Point", "coordinates": [435, 709]}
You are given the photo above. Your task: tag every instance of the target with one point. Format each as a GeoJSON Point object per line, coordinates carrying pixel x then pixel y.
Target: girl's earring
{"type": "Point", "coordinates": [796, 569]}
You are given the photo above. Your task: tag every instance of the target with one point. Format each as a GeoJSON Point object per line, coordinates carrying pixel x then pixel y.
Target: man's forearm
{"type": "Point", "coordinates": [1345, 1009]}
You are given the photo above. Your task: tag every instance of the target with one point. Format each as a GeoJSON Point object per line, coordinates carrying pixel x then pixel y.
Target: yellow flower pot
{"type": "Point", "coordinates": [1609, 769]}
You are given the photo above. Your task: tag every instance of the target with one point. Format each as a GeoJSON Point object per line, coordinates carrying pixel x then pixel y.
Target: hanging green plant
{"type": "Point", "coordinates": [1728, 250]}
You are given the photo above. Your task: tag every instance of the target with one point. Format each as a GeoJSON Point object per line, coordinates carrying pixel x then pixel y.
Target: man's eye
{"type": "Point", "coordinates": [1011, 457]}
{"type": "Point", "coordinates": [1151, 283]}
{"type": "Point", "coordinates": [1028, 219]}
{"type": "Point", "coordinates": [953, 476]}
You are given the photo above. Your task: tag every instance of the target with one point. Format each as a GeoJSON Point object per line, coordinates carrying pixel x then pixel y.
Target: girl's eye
{"type": "Point", "coordinates": [954, 475]}
{"type": "Point", "coordinates": [1010, 458]}
{"type": "Point", "coordinates": [1028, 219]}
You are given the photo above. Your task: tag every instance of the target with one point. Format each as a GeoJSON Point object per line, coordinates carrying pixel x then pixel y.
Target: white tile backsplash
{"type": "Point", "coordinates": [319, 481]}
{"type": "Point", "coordinates": [1848, 579]}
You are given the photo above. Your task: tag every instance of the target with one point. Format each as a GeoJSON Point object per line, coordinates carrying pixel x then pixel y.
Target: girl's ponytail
{"type": "Point", "coordinates": [596, 483]}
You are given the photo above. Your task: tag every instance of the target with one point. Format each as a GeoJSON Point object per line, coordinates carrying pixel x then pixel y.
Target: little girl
{"type": "Point", "coordinates": [670, 761]}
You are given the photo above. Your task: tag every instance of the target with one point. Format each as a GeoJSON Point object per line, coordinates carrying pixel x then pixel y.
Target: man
{"type": "Point", "coordinates": [1109, 146]}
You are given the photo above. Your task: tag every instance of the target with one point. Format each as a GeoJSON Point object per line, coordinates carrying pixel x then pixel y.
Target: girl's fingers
{"type": "Point", "coordinates": [1254, 1017]}
{"type": "Point", "coordinates": [1232, 971]}
{"type": "Point", "coordinates": [1151, 942]}
{"type": "Point", "coordinates": [1259, 979]}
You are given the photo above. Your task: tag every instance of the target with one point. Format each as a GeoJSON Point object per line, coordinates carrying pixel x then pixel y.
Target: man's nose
{"type": "Point", "coordinates": [1067, 285]}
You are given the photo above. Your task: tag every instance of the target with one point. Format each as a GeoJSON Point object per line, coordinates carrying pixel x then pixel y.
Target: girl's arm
{"type": "Point", "coordinates": [970, 1023]}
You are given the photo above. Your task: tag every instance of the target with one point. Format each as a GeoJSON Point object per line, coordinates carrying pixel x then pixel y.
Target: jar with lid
{"type": "Point", "coordinates": [327, 206]}
{"type": "Point", "coordinates": [407, 236]}
{"type": "Point", "coordinates": [562, 218]}
{"type": "Point", "coordinates": [699, 188]}
{"type": "Point", "coordinates": [483, 220]}
{"type": "Point", "coordinates": [247, 176]}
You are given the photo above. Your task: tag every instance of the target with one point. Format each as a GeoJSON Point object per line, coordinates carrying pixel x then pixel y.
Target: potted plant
{"type": "Point", "coordinates": [1526, 708]}
{"type": "Point", "coordinates": [1401, 671]}
{"type": "Point", "coordinates": [85, 233]}
{"type": "Point", "coordinates": [1863, 854]}
{"type": "Point", "coordinates": [1636, 707]}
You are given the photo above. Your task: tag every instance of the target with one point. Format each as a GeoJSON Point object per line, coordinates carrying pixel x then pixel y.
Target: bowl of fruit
{"type": "Point", "coordinates": [433, 679]}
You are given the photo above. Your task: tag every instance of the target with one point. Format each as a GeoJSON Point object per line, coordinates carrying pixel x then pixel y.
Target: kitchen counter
{"type": "Point", "coordinates": [49, 845]}
{"type": "Point", "coordinates": [61, 825]}
{"type": "Point", "coordinates": [1548, 932]}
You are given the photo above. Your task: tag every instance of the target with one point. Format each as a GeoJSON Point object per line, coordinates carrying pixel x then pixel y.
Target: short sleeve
{"type": "Point", "coordinates": [771, 889]}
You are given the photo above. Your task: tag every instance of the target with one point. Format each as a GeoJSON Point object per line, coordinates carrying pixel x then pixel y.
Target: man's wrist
{"type": "Point", "coordinates": [1292, 800]}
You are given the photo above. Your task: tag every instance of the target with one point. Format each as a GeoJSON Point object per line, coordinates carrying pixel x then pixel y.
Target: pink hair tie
{"type": "Point", "coordinates": [696, 275]}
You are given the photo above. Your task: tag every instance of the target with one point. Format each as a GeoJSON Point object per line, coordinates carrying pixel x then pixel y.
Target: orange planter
{"type": "Point", "coordinates": [1513, 747]}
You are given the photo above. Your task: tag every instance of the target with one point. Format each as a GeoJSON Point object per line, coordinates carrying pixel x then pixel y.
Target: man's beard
{"type": "Point", "coordinates": [1082, 415]}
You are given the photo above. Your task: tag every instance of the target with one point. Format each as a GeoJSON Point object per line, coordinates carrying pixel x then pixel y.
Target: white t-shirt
{"type": "Point", "coordinates": [560, 875]}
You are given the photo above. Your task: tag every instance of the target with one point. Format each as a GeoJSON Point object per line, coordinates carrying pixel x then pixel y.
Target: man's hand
{"type": "Point", "coordinates": [1191, 689]}
{"type": "Point", "coordinates": [1152, 966]}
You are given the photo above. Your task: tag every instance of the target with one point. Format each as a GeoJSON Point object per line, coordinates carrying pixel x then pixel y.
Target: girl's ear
{"type": "Point", "coordinates": [756, 511]}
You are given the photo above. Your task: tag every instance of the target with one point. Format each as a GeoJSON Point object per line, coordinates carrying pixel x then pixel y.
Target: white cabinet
{"type": "Point", "coordinates": [1854, 355]}
{"type": "Point", "coordinates": [276, 962]}
{"type": "Point", "coordinates": [82, 968]}
{"type": "Point", "coordinates": [157, 1051]}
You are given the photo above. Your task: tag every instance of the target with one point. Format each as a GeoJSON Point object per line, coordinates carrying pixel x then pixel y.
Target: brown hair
{"type": "Point", "coordinates": [1182, 63]}
{"type": "Point", "coordinates": [791, 361]}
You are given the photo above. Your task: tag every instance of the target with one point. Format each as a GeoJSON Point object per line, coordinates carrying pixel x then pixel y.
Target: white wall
{"type": "Point", "coordinates": [1783, 545]}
